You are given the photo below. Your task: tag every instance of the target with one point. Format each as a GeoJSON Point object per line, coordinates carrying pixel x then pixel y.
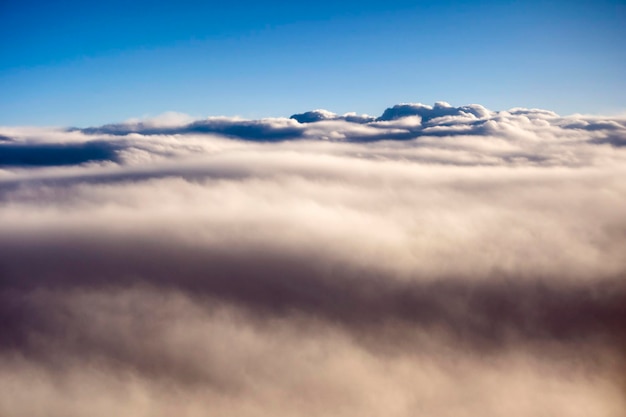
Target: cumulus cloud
{"type": "Point", "coordinates": [436, 260]}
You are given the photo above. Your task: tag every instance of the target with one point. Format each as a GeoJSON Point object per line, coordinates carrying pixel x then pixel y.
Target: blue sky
{"type": "Point", "coordinates": [84, 63]}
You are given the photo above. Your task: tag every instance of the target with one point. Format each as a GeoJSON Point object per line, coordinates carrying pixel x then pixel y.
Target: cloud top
{"type": "Point", "coordinates": [399, 122]}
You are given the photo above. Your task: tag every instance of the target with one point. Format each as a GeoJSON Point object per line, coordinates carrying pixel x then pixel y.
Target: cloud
{"type": "Point", "coordinates": [257, 130]}
{"type": "Point", "coordinates": [400, 122]}
{"type": "Point", "coordinates": [321, 115]}
{"type": "Point", "coordinates": [454, 261]}
{"type": "Point", "coordinates": [54, 154]}
{"type": "Point", "coordinates": [427, 113]}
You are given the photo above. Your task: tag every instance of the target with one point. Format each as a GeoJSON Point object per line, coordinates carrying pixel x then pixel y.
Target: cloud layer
{"type": "Point", "coordinates": [435, 260]}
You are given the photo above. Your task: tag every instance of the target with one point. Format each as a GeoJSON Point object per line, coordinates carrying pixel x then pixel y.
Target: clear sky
{"type": "Point", "coordinates": [85, 63]}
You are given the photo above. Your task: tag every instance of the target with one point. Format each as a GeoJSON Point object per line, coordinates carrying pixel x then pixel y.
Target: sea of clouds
{"type": "Point", "coordinates": [433, 261]}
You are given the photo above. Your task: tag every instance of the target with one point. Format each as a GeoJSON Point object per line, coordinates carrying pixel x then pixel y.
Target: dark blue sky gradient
{"type": "Point", "coordinates": [84, 63]}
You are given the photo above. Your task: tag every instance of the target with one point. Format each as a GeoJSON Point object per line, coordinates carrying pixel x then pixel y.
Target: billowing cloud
{"type": "Point", "coordinates": [436, 260]}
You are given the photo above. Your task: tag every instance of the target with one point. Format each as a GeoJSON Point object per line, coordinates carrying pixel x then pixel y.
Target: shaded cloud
{"type": "Point", "coordinates": [314, 116]}
{"type": "Point", "coordinates": [427, 113]}
{"type": "Point", "coordinates": [321, 115]}
{"type": "Point", "coordinates": [614, 140]}
{"type": "Point", "coordinates": [152, 352]}
{"type": "Point", "coordinates": [257, 130]}
{"type": "Point", "coordinates": [55, 154]}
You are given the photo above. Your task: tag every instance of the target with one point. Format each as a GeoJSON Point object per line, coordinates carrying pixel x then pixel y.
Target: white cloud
{"type": "Point", "coordinates": [453, 266]}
